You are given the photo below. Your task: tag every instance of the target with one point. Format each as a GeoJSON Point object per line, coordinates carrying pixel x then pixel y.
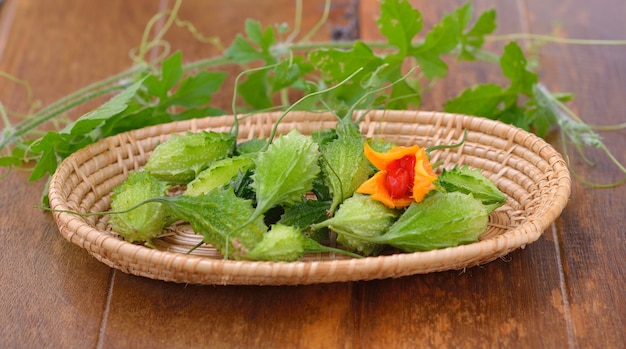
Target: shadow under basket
{"type": "Point", "coordinates": [528, 170]}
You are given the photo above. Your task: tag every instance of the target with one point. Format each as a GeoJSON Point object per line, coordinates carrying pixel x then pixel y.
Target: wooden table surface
{"type": "Point", "coordinates": [565, 290]}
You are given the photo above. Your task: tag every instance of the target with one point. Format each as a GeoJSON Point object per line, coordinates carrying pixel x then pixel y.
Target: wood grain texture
{"type": "Point", "coordinates": [591, 233]}
{"type": "Point", "coordinates": [54, 294]}
{"type": "Point", "coordinates": [565, 290]}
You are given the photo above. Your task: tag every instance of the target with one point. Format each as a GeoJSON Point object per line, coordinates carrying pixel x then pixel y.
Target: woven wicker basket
{"type": "Point", "coordinates": [526, 168]}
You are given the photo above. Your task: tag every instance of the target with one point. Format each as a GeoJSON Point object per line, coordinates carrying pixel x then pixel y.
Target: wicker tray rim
{"type": "Point", "coordinates": [177, 267]}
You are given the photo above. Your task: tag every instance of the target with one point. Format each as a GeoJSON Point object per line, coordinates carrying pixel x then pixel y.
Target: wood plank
{"type": "Point", "coordinates": [503, 304]}
{"type": "Point", "coordinates": [487, 306]}
{"type": "Point", "coordinates": [53, 292]}
{"type": "Point", "coordinates": [48, 285]}
{"type": "Point", "coordinates": [591, 232]}
{"type": "Point", "coordinates": [153, 314]}
{"type": "Point", "coordinates": [229, 316]}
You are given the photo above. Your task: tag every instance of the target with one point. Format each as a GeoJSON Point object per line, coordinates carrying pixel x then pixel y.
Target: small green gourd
{"type": "Point", "coordinates": [219, 174]}
{"type": "Point", "coordinates": [179, 159]}
{"type": "Point", "coordinates": [143, 223]}
{"type": "Point", "coordinates": [441, 220]}
{"type": "Point", "coordinates": [285, 243]}
{"type": "Point", "coordinates": [363, 217]}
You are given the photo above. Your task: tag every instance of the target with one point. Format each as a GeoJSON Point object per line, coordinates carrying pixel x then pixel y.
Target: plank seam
{"type": "Point", "coordinates": [107, 309]}
{"type": "Point", "coordinates": [569, 326]}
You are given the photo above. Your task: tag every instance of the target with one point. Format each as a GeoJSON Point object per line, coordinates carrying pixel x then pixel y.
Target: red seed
{"type": "Point", "coordinates": [400, 173]}
{"type": "Point", "coordinates": [398, 182]}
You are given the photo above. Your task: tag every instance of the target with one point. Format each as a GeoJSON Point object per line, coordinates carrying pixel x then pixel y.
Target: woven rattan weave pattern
{"type": "Point", "coordinates": [528, 170]}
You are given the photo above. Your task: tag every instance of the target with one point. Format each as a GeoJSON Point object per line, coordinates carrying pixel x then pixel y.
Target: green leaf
{"type": "Point", "coordinates": [337, 65]}
{"type": "Point", "coordinates": [196, 113]}
{"type": "Point", "coordinates": [135, 116]}
{"type": "Point", "coordinates": [479, 100]}
{"type": "Point", "coordinates": [285, 171]}
{"type": "Point", "coordinates": [219, 215]}
{"type": "Point", "coordinates": [399, 22]}
{"type": "Point", "coordinates": [473, 39]}
{"type": "Point", "coordinates": [472, 181]}
{"type": "Point", "coordinates": [196, 90]}
{"type": "Point", "coordinates": [486, 24]}
{"type": "Point", "coordinates": [302, 214]}
{"type": "Point", "coordinates": [16, 158]}
{"type": "Point", "coordinates": [171, 73]}
{"type": "Point", "coordinates": [441, 39]}
{"type": "Point", "coordinates": [241, 185]}
{"type": "Point", "coordinates": [263, 38]}
{"type": "Point", "coordinates": [515, 115]}
{"type": "Point", "coordinates": [432, 65]}
{"type": "Point", "coordinates": [345, 166]}
{"type": "Point", "coordinates": [402, 95]}
{"type": "Point", "coordinates": [95, 118]}
{"type": "Point", "coordinates": [251, 146]}
{"type": "Point", "coordinates": [255, 90]}
{"type": "Point", "coordinates": [254, 31]}
{"type": "Point", "coordinates": [541, 119]}
{"type": "Point", "coordinates": [52, 146]}
{"type": "Point", "coordinates": [403, 92]}
{"type": "Point", "coordinates": [514, 66]}
{"type": "Point", "coordinates": [242, 52]}
{"type": "Point", "coordinates": [7, 161]}
{"type": "Point", "coordinates": [464, 15]}
{"type": "Point", "coordinates": [48, 160]}
{"type": "Point", "coordinates": [494, 102]}
{"type": "Point", "coordinates": [289, 73]}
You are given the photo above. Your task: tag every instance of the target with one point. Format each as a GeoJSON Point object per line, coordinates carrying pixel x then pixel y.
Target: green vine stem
{"type": "Point", "coordinates": [572, 128]}
{"type": "Point", "coordinates": [555, 39]}
{"type": "Point", "coordinates": [122, 80]}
